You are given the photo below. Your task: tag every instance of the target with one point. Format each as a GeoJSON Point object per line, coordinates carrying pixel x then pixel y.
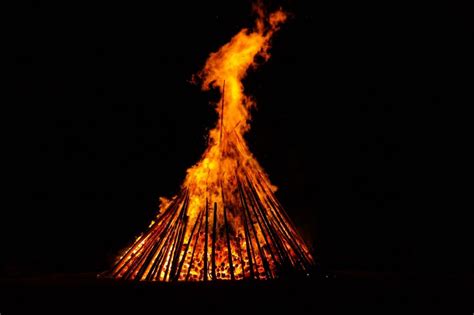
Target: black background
{"type": "Point", "coordinates": [105, 121]}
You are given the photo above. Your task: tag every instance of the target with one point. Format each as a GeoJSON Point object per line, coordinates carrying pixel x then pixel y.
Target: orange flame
{"type": "Point", "coordinates": [226, 223]}
{"type": "Point", "coordinates": [225, 70]}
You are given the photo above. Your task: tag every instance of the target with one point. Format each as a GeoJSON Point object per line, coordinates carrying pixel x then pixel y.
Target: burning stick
{"type": "Point", "coordinates": [229, 250]}
{"type": "Point", "coordinates": [205, 244]}
{"type": "Point", "coordinates": [222, 113]}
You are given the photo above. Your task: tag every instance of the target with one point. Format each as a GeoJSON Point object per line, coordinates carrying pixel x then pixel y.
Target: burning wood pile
{"type": "Point", "coordinates": [225, 224]}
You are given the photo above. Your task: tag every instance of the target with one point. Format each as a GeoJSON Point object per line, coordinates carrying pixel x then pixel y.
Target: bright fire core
{"type": "Point", "coordinates": [225, 224]}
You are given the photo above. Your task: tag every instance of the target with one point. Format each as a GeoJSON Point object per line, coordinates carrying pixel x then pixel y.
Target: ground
{"type": "Point", "coordinates": [333, 292]}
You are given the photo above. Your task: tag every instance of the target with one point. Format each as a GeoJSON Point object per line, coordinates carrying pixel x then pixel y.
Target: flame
{"type": "Point", "coordinates": [225, 70]}
{"type": "Point", "coordinates": [226, 222]}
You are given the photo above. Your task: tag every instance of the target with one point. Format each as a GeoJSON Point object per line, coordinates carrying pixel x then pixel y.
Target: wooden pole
{"type": "Point", "coordinates": [205, 241]}
{"type": "Point", "coordinates": [190, 239]}
{"type": "Point", "coordinates": [214, 237]}
{"type": "Point", "coordinates": [248, 241]}
{"type": "Point", "coordinates": [229, 249]}
{"type": "Point", "coordinates": [194, 248]}
{"type": "Point", "coordinates": [222, 111]}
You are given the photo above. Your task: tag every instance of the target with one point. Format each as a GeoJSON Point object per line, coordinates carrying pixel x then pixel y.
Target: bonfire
{"type": "Point", "coordinates": [225, 223]}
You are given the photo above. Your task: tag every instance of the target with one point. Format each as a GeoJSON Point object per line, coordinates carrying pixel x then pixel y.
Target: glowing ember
{"type": "Point", "coordinates": [225, 223]}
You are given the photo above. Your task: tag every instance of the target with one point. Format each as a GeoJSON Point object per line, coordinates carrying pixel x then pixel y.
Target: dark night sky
{"type": "Point", "coordinates": [105, 121]}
